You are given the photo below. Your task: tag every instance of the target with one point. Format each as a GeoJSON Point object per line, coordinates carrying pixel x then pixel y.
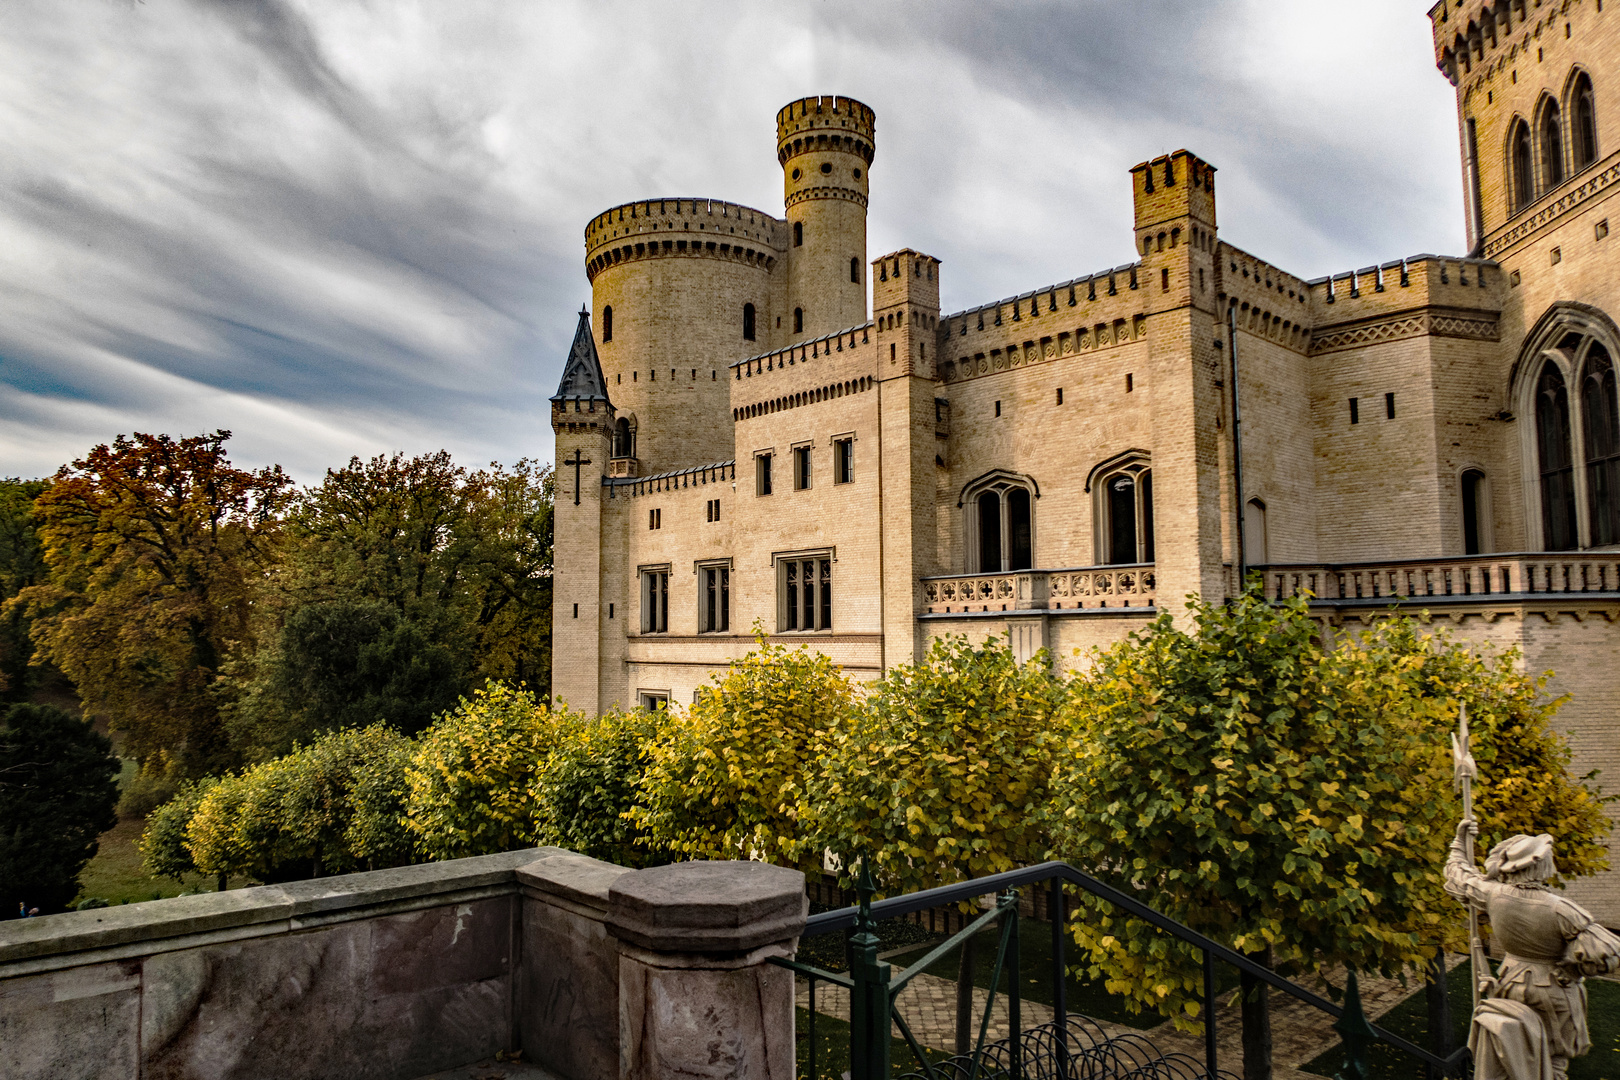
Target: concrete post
{"type": "Point", "coordinates": [697, 997]}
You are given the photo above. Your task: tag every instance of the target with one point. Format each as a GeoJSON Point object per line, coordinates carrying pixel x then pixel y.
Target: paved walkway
{"type": "Point", "coordinates": [1298, 1031]}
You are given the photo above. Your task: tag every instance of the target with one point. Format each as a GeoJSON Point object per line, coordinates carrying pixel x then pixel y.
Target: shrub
{"type": "Point", "coordinates": [585, 787]}
{"type": "Point", "coordinates": [727, 777]}
{"type": "Point", "coordinates": [469, 779]}
{"type": "Point", "coordinates": [942, 772]}
{"type": "Point", "coordinates": [163, 842]}
{"type": "Point", "coordinates": [57, 795]}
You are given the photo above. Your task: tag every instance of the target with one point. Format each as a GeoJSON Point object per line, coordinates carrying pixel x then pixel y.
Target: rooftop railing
{"type": "Point", "coordinates": [1095, 587]}
{"type": "Point", "coordinates": [1457, 578]}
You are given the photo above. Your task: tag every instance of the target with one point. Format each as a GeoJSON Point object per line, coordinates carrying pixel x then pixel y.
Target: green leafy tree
{"type": "Point", "coordinates": [155, 547]}
{"type": "Point", "coordinates": [57, 795]}
{"type": "Point", "coordinates": [163, 840]}
{"type": "Point", "coordinates": [469, 780]}
{"type": "Point", "coordinates": [1291, 800]}
{"type": "Point", "coordinates": [941, 772]}
{"type": "Point", "coordinates": [312, 812]}
{"type": "Point", "coordinates": [22, 563]}
{"type": "Point", "coordinates": [407, 581]}
{"type": "Point", "coordinates": [727, 777]}
{"type": "Point", "coordinates": [586, 785]}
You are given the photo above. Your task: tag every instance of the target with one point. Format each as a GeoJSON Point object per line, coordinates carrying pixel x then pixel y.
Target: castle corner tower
{"type": "Point", "coordinates": [825, 145]}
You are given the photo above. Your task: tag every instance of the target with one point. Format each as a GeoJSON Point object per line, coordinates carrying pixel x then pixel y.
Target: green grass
{"type": "Point", "coordinates": [1409, 1020]}
{"type": "Point", "coordinates": [832, 1049]}
{"type": "Point", "coordinates": [117, 876]}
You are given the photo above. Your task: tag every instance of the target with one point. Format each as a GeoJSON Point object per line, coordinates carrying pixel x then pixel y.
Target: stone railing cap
{"type": "Point", "coordinates": [579, 878]}
{"type": "Point", "coordinates": [708, 907]}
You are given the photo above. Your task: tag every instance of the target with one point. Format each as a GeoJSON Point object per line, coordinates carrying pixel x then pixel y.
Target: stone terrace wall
{"type": "Point", "coordinates": [396, 973]}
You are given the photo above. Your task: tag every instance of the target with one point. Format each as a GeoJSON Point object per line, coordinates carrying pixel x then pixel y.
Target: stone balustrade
{"type": "Point", "coordinates": [1041, 590]}
{"type": "Point", "coordinates": [1470, 576]}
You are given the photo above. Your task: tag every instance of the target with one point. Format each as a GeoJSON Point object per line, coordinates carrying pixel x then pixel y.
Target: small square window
{"type": "Point", "coordinates": [1557, 255]}
{"type": "Point", "coordinates": [655, 519]}
{"type": "Point", "coordinates": [801, 468]}
{"type": "Point", "coordinates": [1601, 229]}
{"type": "Point", "coordinates": [844, 461]}
{"type": "Point", "coordinates": [654, 700]}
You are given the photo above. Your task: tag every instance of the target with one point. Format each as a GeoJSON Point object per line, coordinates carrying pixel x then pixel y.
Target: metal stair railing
{"type": "Point", "coordinates": [1067, 1046]}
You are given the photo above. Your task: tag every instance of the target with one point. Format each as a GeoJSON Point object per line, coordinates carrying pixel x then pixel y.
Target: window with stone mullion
{"type": "Point", "coordinates": [1600, 419]}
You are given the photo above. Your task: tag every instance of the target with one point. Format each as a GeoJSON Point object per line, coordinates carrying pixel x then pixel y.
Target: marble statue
{"type": "Point", "coordinates": [1532, 1020]}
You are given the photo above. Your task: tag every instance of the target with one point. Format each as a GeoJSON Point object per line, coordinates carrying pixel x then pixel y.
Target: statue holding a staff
{"type": "Point", "coordinates": [1532, 1019]}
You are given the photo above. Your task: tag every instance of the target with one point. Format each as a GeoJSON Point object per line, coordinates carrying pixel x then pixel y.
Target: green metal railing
{"type": "Point", "coordinates": [1068, 1046]}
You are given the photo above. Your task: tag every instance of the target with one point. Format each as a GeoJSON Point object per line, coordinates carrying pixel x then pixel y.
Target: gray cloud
{"type": "Point", "coordinates": [343, 227]}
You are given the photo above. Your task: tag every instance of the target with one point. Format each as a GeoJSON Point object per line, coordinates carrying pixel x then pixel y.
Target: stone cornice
{"type": "Point", "coordinates": [1551, 209]}
{"type": "Point", "coordinates": [1397, 326]}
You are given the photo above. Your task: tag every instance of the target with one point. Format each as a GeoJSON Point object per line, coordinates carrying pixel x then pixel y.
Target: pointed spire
{"type": "Point", "coordinates": [582, 378]}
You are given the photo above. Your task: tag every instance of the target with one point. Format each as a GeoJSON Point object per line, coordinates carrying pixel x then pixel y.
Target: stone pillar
{"type": "Point", "coordinates": [697, 995]}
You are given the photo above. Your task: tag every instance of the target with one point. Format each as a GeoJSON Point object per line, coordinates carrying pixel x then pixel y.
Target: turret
{"type": "Point", "coordinates": [905, 307]}
{"type": "Point", "coordinates": [1174, 199]}
{"type": "Point", "coordinates": [825, 145]}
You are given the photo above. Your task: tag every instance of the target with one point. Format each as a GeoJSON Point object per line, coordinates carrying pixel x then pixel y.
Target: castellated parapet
{"type": "Point", "coordinates": [825, 146]}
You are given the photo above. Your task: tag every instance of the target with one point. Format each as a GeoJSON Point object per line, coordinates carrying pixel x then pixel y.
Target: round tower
{"type": "Point", "coordinates": [825, 145]}
{"type": "Point", "coordinates": [680, 288]}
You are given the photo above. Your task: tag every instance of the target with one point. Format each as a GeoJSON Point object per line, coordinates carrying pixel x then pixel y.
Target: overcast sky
{"type": "Point", "coordinates": [341, 227]}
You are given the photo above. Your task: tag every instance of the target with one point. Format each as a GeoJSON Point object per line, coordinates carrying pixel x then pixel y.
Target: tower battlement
{"type": "Point", "coordinates": [709, 228]}
{"type": "Point", "coordinates": [825, 123]}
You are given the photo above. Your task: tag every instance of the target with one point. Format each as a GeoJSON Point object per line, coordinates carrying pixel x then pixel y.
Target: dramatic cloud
{"type": "Point", "coordinates": [344, 227]}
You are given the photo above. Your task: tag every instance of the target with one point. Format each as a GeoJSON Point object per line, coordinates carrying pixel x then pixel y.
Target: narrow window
{"type": "Point", "coordinates": [762, 474]}
{"type": "Point", "coordinates": [1130, 383]}
{"type": "Point", "coordinates": [844, 461]}
{"type": "Point", "coordinates": [801, 468]}
{"type": "Point", "coordinates": [998, 408]}
{"type": "Point", "coordinates": [1524, 183]}
{"type": "Point", "coordinates": [1556, 464]}
{"type": "Point", "coordinates": [624, 441]}
{"type": "Point", "coordinates": [1060, 395]}
{"type": "Point", "coordinates": [716, 599]}
{"type": "Point", "coordinates": [1254, 533]}
{"type": "Point", "coordinates": [748, 322]}
{"type": "Point", "coordinates": [610, 611]}
{"type": "Point", "coordinates": [1122, 519]}
{"type": "Point", "coordinates": [854, 270]}
{"type": "Point", "coordinates": [1355, 411]}
{"type": "Point", "coordinates": [990, 533]}
{"type": "Point", "coordinates": [1552, 146]}
{"type": "Point", "coordinates": [1164, 280]}
{"type": "Point", "coordinates": [654, 601]}
{"type": "Point", "coordinates": [1389, 406]}
{"type": "Point", "coordinates": [576, 611]}
{"type": "Point", "coordinates": [798, 234]}
{"type": "Point", "coordinates": [1020, 547]}
{"type": "Point", "coordinates": [798, 320]}
{"type": "Point", "coordinates": [1473, 482]}
{"type": "Point", "coordinates": [607, 324]}
{"type": "Point", "coordinates": [1600, 416]}
{"type": "Point", "coordinates": [1584, 133]}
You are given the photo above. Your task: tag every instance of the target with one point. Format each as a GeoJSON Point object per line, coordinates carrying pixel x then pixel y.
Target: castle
{"type": "Point", "coordinates": [742, 441]}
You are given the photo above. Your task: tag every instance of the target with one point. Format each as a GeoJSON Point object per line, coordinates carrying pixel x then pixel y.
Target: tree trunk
{"type": "Point", "coordinates": [964, 999]}
{"type": "Point", "coordinates": [1257, 1021]}
{"type": "Point", "coordinates": [221, 882]}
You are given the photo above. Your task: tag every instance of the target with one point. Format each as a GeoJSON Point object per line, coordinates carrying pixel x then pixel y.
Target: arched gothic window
{"type": "Point", "coordinates": [1552, 145]}
{"type": "Point", "coordinates": [624, 439]}
{"type": "Point", "coordinates": [1555, 461]}
{"type": "Point", "coordinates": [1583, 111]}
{"type": "Point", "coordinates": [1600, 423]}
{"type": "Point", "coordinates": [855, 269]}
{"type": "Point", "coordinates": [1256, 550]}
{"type": "Point", "coordinates": [748, 322]}
{"type": "Point", "coordinates": [1522, 166]}
{"type": "Point", "coordinates": [999, 523]}
{"type": "Point", "coordinates": [607, 324]}
{"type": "Point", "coordinates": [1122, 507]}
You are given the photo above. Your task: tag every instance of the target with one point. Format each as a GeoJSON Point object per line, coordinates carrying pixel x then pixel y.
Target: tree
{"type": "Point", "coordinates": [468, 781]}
{"type": "Point", "coordinates": [57, 795]}
{"type": "Point", "coordinates": [942, 772]}
{"type": "Point", "coordinates": [1291, 801]}
{"type": "Point", "coordinates": [586, 785]}
{"type": "Point", "coordinates": [154, 547]}
{"type": "Point", "coordinates": [407, 581]}
{"type": "Point", "coordinates": [727, 777]}
{"type": "Point", "coordinates": [22, 563]}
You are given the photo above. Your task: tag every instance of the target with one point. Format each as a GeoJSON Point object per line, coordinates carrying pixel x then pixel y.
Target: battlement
{"type": "Point", "coordinates": [1484, 34]}
{"type": "Point", "coordinates": [800, 352]}
{"type": "Point", "coordinates": [1071, 293]}
{"type": "Point", "coordinates": [659, 227]}
{"type": "Point", "coordinates": [905, 277]}
{"type": "Point", "coordinates": [826, 123]}
{"type": "Point", "coordinates": [1171, 186]}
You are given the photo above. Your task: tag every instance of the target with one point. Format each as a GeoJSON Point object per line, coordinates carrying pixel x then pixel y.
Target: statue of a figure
{"type": "Point", "coordinates": [1551, 943]}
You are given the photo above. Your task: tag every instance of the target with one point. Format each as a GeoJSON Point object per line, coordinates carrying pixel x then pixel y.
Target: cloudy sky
{"type": "Point", "coordinates": [344, 227]}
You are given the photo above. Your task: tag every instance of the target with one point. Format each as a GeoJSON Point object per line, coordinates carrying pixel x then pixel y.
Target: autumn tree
{"type": "Point", "coordinates": [154, 547]}
{"type": "Point", "coordinates": [22, 563]}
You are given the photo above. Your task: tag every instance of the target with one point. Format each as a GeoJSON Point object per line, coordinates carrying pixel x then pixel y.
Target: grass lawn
{"type": "Point", "coordinates": [116, 875]}
{"type": "Point", "coordinates": [1409, 1019]}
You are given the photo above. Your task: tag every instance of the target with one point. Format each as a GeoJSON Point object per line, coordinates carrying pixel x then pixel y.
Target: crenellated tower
{"type": "Point", "coordinates": [825, 145]}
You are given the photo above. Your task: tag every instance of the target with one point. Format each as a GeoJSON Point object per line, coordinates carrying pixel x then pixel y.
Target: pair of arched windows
{"type": "Point", "coordinates": [1576, 409]}
{"type": "Point", "coordinates": [1562, 142]}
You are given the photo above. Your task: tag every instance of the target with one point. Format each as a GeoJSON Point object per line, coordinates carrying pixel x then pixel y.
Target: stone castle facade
{"type": "Point", "coordinates": [760, 426]}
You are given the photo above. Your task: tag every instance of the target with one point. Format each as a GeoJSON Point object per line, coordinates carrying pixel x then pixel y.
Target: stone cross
{"type": "Point", "coordinates": [576, 463]}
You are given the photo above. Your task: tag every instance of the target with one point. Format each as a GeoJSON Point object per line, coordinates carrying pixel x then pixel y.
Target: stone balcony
{"type": "Point", "coordinates": [1502, 575]}
{"type": "Point", "coordinates": [1072, 589]}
